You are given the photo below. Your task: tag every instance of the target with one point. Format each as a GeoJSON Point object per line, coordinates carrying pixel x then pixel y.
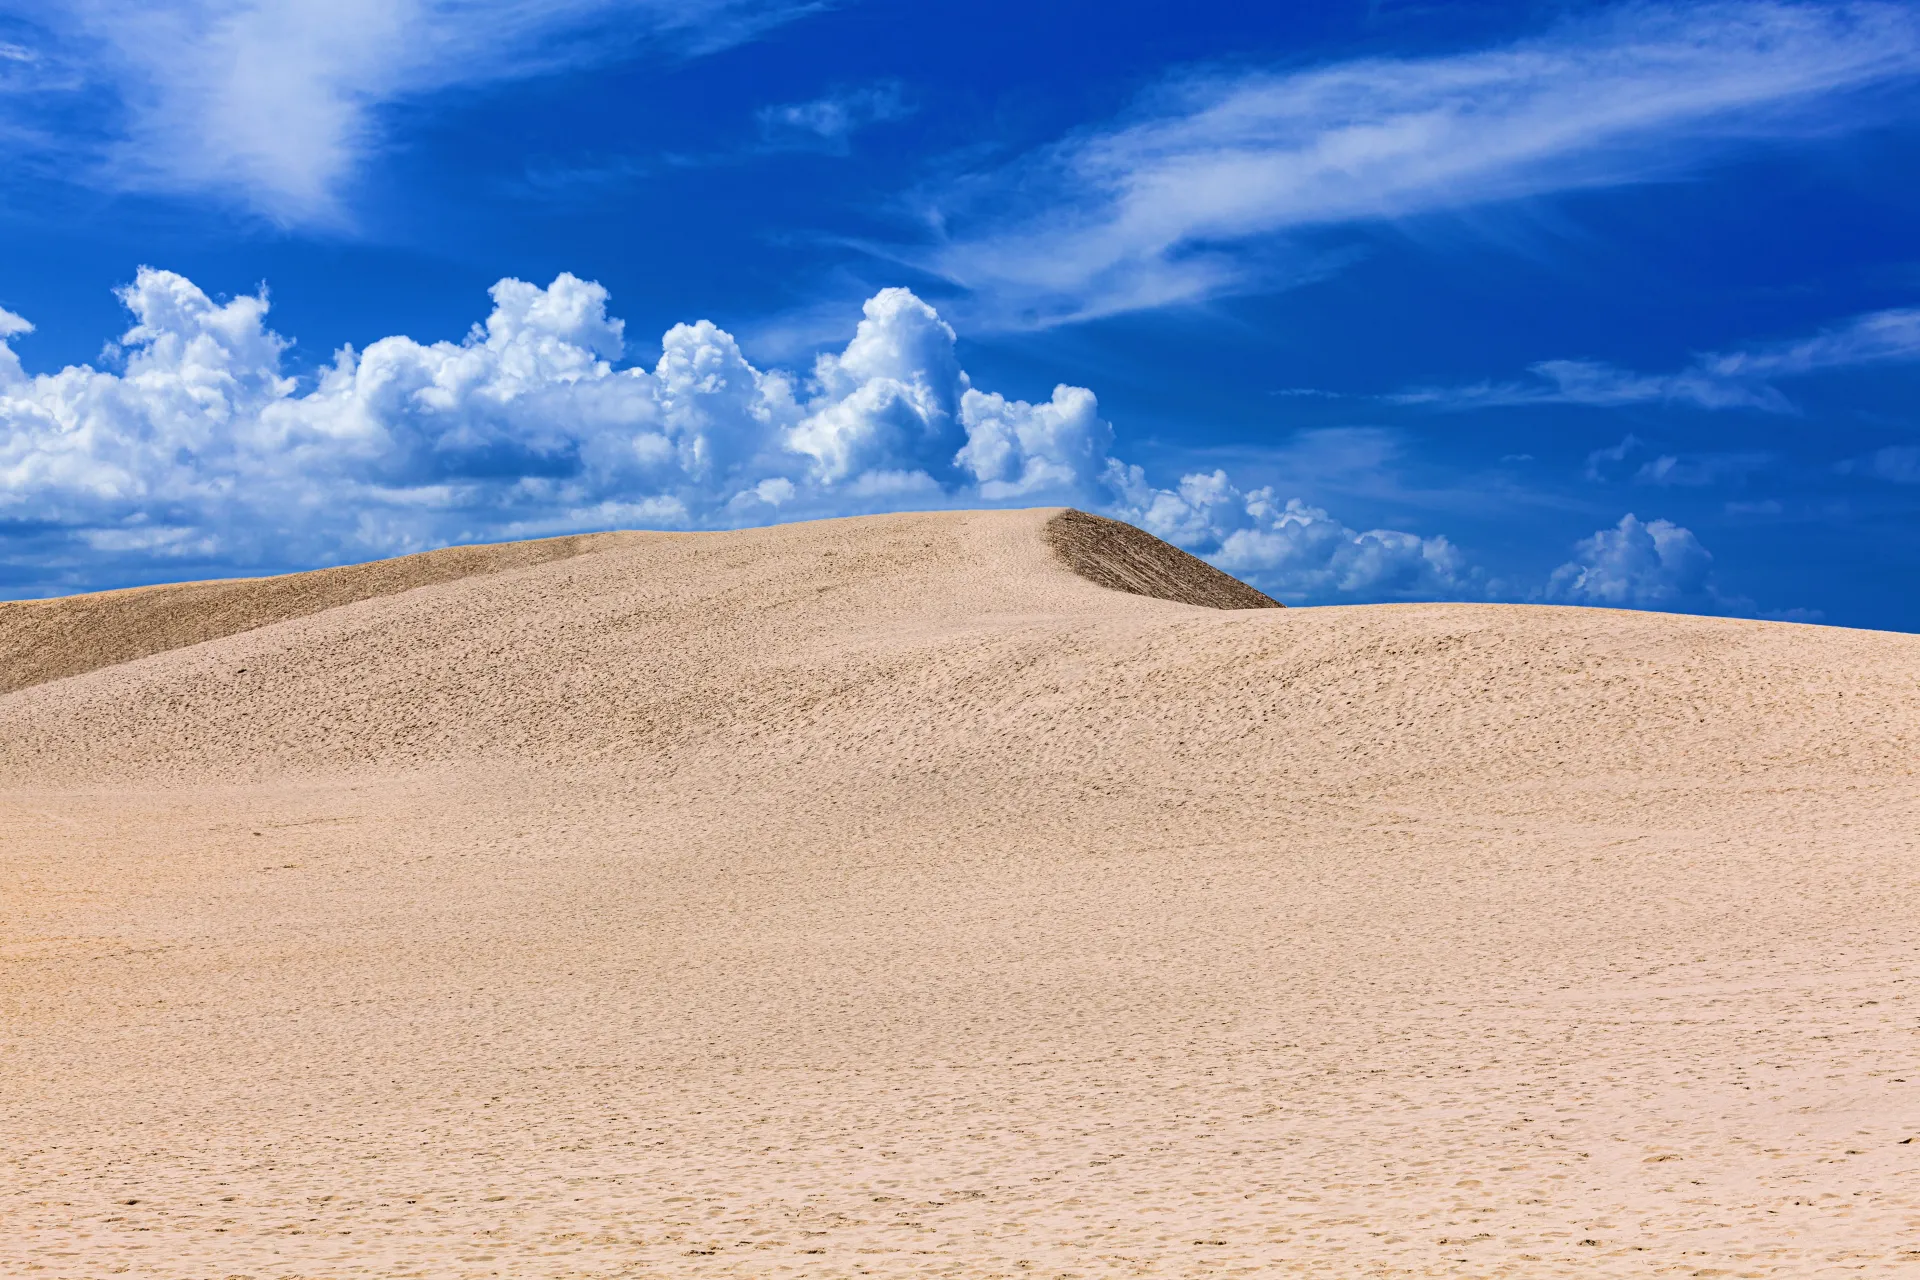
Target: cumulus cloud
{"type": "Point", "coordinates": [1015, 449]}
{"type": "Point", "coordinates": [201, 447]}
{"type": "Point", "coordinates": [1740, 379]}
{"type": "Point", "coordinates": [1292, 550]}
{"type": "Point", "coordinates": [889, 402]}
{"type": "Point", "coordinates": [528, 423]}
{"type": "Point", "coordinates": [1639, 564]}
{"type": "Point", "coordinates": [275, 103]}
{"type": "Point", "coordinates": [1164, 207]}
{"type": "Point", "coordinates": [11, 326]}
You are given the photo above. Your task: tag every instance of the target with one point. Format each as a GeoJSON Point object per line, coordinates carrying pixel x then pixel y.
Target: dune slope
{"type": "Point", "coordinates": [43, 640]}
{"type": "Point", "coordinates": [946, 894]}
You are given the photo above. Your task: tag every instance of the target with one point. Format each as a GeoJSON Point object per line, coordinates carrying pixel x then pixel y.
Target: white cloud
{"type": "Point", "coordinates": [202, 448]}
{"type": "Point", "coordinates": [827, 122]}
{"type": "Point", "coordinates": [1163, 208]}
{"type": "Point", "coordinates": [1014, 448]}
{"type": "Point", "coordinates": [1638, 565]}
{"type": "Point", "coordinates": [276, 103]}
{"type": "Point", "coordinates": [1669, 470]}
{"type": "Point", "coordinates": [1716, 380]}
{"type": "Point", "coordinates": [1701, 469]}
{"type": "Point", "coordinates": [11, 326]}
{"type": "Point", "coordinates": [891, 396]}
{"type": "Point", "coordinates": [1601, 462]}
{"type": "Point", "coordinates": [1292, 550]}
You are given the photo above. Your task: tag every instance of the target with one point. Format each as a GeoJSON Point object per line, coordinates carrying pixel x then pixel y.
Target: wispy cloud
{"type": "Point", "coordinates": [275, 104]}
{"type": "Point", "coordinates": [1716, 380]}
{"type": "Point", "coordinates": [1899, 463]}
{"type": "Point", "coordinates": [1197, 193]}
{"type": "Point", "coordinates": [1699, 470]}
{"type": "Point", "coordinates": [15, 60]}
{"type": "Point", "coordinates": [827, 122]}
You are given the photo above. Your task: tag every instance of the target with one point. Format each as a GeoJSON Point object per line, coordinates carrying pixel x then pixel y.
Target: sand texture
{"type": "Point", "coordinates": [889, 897]}
{"type": "Point", "coordinates": [43, 640]}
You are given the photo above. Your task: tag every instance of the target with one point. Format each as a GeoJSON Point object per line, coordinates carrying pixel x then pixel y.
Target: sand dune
{"type": "Point", "coordinates": [43, 640]}
{"type": "Point", "coordinates": [895, 896]}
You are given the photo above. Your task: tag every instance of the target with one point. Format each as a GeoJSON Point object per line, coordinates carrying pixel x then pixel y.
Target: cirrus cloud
{"type": "Point", "coordinates": [1738, 379]}
{"type": "Point", "coordinates": [276, 104]}
{"type": "Point", "coordinates": [827, 122]}
{"type": "Point", "coordinates": [1212, 182]}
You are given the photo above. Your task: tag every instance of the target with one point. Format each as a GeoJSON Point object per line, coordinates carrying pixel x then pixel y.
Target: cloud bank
{"type": "Point", "coordinates": [202, 448]}
{"type": "Point", "coordinates": [1174, 204]}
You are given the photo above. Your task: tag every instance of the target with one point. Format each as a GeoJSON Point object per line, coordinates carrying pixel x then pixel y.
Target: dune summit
{"type": "Point", "coordinates": [971, 894]}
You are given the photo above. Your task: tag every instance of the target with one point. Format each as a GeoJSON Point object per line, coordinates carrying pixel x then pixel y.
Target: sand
{"type": "Point", "coordinates": [888, 897]}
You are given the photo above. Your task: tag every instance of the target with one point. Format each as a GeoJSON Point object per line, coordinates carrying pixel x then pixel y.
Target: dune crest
{"type": "Point", "coordinates": [945, 892]}
{"type": "Point", "coordinates": [42, 640]}
{"type": "Point", "coordinates": [1124, 558]}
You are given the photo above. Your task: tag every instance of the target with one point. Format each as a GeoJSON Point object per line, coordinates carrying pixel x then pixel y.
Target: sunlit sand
{"type": "Point", "coordinates": [896, 896]}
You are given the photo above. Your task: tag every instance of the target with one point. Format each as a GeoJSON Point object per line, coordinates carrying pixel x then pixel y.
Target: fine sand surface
{"type": "Point", "coordinates": [890, 897]}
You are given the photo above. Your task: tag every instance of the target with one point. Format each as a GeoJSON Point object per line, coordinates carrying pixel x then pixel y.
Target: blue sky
{"type": "Point", "coordinates": [1601, 304]}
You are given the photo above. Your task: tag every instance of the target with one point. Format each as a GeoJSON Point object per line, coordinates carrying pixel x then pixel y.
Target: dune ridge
{"type": "Point", "coordinates": [42, 640]}
{"type": "Point", "coordinates": [1123, 558]}
{"type": "Point", "coordinates": [893, 895]}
